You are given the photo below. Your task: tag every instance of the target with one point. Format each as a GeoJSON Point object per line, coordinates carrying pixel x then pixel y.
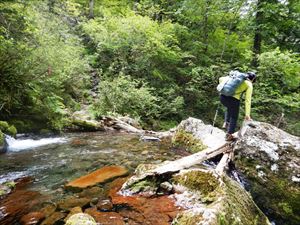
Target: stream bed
{"type": "Point", "coordinates": [52, 165]}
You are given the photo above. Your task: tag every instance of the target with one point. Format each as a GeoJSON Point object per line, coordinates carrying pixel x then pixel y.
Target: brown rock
{"type": "Point", "coordinates": [151, 211]}
{"type": "Point", "coordinates": [105, 205]}
{"type": "Point", "coordinates": [78, 142]}
{"type": "Point", "coordinates": [72, 212]}
{"type": "Point", "coordinates": [106, 218]}
{"type": "Point", "coordinates": [133, 217]}
{"type": "Point", "coordinates": [17, 204]}
{"type": "Point", "coordinates": [55, 217]}
{"type": "Point", "coordinates": [93, 192]}
{"type": "Point", "coordinates": [32, 218]}
{"type": "Point", "coordinates": [48, 209]}
{"type": "Point", "coordinates": [71, 202]}
{"type": "Point", "coordinates": [99, 176]}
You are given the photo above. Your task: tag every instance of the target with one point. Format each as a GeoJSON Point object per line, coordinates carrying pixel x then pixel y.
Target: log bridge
{"type": "Point", "coordinates": [186, 162]}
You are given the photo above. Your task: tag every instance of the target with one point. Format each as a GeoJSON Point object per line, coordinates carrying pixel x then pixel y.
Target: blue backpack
{"type": "Point", "coordinates": [235, 79]}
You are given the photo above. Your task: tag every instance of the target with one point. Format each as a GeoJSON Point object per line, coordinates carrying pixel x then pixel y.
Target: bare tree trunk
{"type": "Point", "coordinates": [257, 35]}
{"type": "Point", "coordinates": [91, 9]}
{"type": "Point", "coordinates": [223, 164]}
{"type": "Point", "coordinates": [191, 160]}
{"type": "Point", "coordinates": [205, 27]}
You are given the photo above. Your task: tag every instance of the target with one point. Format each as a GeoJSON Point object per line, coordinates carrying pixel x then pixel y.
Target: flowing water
{"type": "Point", "coordinates": [54, 161]}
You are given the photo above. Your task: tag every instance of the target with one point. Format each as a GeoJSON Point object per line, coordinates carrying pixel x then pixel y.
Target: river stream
{"type": "Point", "coordinates": [52, 162]}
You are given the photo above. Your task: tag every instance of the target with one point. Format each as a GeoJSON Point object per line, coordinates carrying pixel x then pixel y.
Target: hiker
{"type": "Point", "coordinates": [232, 103]}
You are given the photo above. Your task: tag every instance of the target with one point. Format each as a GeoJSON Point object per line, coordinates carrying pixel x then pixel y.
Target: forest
{"type": "Point", "coordinates": [157, 61]}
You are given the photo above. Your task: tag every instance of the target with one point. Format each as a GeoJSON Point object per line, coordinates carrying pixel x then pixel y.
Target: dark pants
{"type": "Point", "coordinates": [231, 116]}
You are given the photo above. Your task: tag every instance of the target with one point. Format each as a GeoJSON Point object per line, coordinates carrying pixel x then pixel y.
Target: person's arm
{"type": "Point", "coordinates": [248, 100]}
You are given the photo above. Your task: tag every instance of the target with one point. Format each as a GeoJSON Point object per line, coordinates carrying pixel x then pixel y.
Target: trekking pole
{"type": "Point", "coordinates": [215, 118]}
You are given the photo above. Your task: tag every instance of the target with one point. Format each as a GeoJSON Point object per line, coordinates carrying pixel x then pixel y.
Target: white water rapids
{"type": "Point", "coordinates": [16, 145]}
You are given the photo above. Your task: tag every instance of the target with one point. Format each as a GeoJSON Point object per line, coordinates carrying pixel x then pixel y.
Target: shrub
{"type": "Point", "coordinates": [124, 95]}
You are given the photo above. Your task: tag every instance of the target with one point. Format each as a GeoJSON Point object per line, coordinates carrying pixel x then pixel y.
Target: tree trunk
{"type": "Point", "coordinates": [91, 9]}
{"type": "Point", "coordinates": [257, 35]}
{"type": "Point", "coordinates": [205, 27]}
{"type": "Point", "coordinates": [223, 164]}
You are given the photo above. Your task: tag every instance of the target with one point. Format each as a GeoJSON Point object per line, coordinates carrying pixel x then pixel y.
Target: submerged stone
{"type": "Point", "coordinates": [70, 202]}
{"type": "Point", "coordinates": [138, 209]}
{"type": "Point", "coordinates": [72, 212]}
{"type": "Point", "coordinates": [32, 218]}
{"type": "Point", "coordinates": [55, 218]}
{"type": "Point", "coordinates": [81, 219]}
{"type": "Point", "coordinates": [109, 218]}
{"type": "Point", "coordinates": [17, 204]}
{"type": "Point", "coordinates": [99, 176]}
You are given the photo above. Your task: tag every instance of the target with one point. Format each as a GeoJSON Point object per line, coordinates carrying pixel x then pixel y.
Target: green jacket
{"type": "Point", "coordinates": [247, 87]}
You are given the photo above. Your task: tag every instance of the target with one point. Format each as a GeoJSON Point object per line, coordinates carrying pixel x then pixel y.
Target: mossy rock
{"type": "Point", "coordinates": [6, 187]}
{"type": "Point", "coordinates": [8, 129]}
{"type": "Point", "coordinates": [198, 180]}
{"type": "Point", "coordinates": [239, 207]}
{"type": "Point", "coordinates": [12, 131]}
{"type": "Point", "coordinates": [216, 200]}
{"type": "Point", "coordinates": [272, 193]}
{"type": "Point", "coordinates": [149, 186]}
{"type": "Point", "coordinates": [23, 126]}
{"type": "Point", "coordinates": [186, 140]}
{"type": "Point", "coordinates": [187, 218]}
{"type": "Point", "coordinates": [4, 126]}
{"type": "Point", "coordinates": [1, 139]}
{"type": "Point", "coordinates": [87, 125]}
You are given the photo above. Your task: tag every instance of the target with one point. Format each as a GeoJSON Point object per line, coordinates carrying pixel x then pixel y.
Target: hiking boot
{"type": "Point", "coordinates": [230, 137]}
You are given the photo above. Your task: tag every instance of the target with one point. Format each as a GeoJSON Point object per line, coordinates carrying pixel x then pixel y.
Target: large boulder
{"type": "Point", "coordinates": [2, 142]}
{"type": "Point", "coordinates": [212, 199]}
{"type": "Point", "coordinates": [210, 136]}
{"type": "Point", "coordinates": [82, 120]}
{"type": "Point", "coordinates": [5, 128]}
{"type": "Point", "coordinates": [269, 158]}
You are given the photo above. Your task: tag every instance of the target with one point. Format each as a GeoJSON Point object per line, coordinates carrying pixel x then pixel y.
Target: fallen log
{"type": "Point", "coordinates": [177, 165]}
{"type": "Point", "coordinates": [188, 161]}
{"type": "Point", "coordinates": [223, 164]}
{"type": "Point", "coordinates": [191, 160]}
{"type": "Point", "coordinates": [120, 125]}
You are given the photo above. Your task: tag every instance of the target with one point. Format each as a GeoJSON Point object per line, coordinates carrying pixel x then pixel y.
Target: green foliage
{"type": "Point", "coordinates": [135, 45]}
{"type": "Point", "coordinates": [174, 52]}
{"type": "Point", "coordinates": [124, 95]}
{"type": "Point", "coordinates": [283, 68]}
{"type": "Point", "coordinates": [42, 64]}
{"type": "Point", "coordinates": [278, 82]}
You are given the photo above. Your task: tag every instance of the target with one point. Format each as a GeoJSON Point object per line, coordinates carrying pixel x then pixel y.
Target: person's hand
{"type": "Point", "coordinates": [247, 118]}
